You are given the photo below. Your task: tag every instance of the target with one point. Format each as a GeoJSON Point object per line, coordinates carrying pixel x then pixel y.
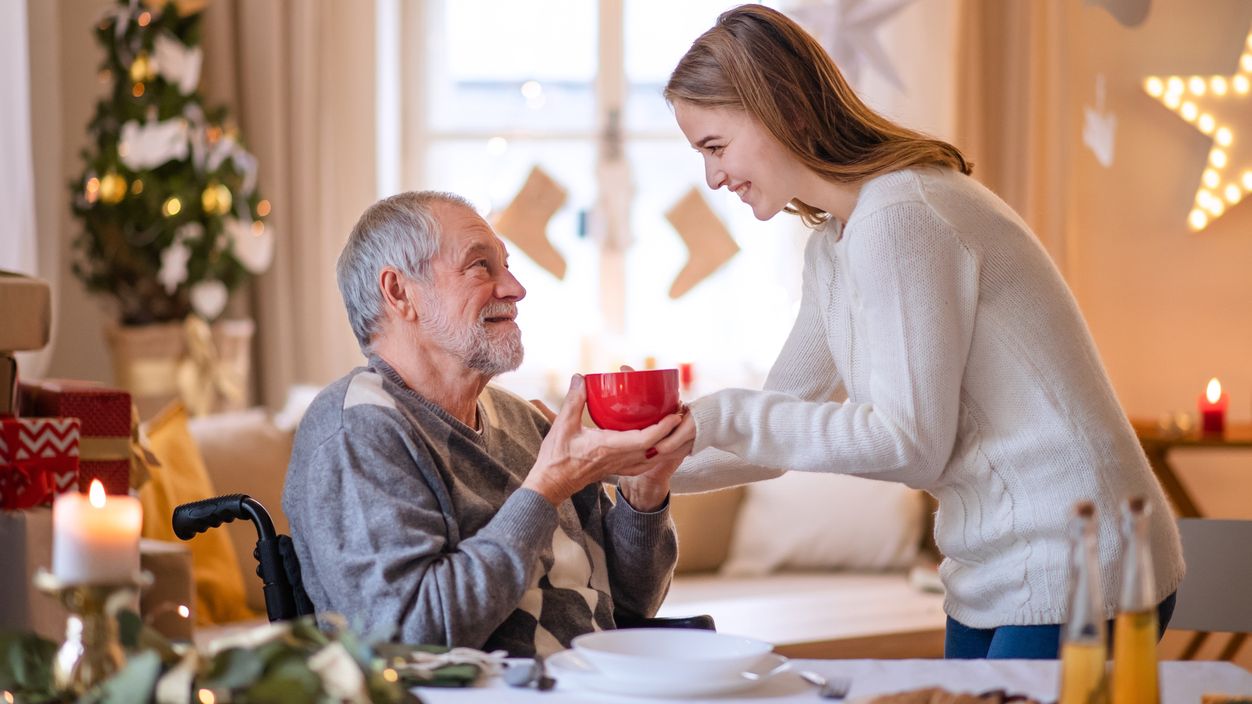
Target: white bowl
{"type": "Point", "coordinates": [669, 653]}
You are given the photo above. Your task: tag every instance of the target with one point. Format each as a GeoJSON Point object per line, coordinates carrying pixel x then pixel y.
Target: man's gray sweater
{"type": "Point", "coordinates": [407, 520]}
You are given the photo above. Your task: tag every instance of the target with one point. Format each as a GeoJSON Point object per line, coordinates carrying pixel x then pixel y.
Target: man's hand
{"type": "Point", "coordinates": [647, 491]}
{"type": "Point", "coordinates": [573, 456]}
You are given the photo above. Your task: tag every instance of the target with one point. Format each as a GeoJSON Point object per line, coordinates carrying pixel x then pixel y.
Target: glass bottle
{"type": "Point", "coordinates": [1084, 654]}
{"type": "Point", "coordinates": [1135, 628]}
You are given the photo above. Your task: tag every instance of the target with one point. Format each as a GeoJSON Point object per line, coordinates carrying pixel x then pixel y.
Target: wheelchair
{"type": "Point", "coordinates": [278, 567]}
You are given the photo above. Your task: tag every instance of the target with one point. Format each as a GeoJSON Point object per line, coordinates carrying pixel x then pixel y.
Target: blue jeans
{"type": "Point", "coordinates": [1023, 642]}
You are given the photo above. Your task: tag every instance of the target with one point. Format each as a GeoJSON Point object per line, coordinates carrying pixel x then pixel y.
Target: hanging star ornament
{"type": "Point", "coordinates": [1221, 108]}
{"type": "Point", "coordinates": [848, 30]}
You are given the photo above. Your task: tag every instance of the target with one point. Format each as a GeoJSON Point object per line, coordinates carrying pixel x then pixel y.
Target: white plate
{"type": "Point", "coordinates": [570, 666]}
{"type": "Point", "coordinates": [669, 653]}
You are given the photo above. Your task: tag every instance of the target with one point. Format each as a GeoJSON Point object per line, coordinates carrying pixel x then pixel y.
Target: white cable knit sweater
{"type": "Point", "coordinates": [969, 373]}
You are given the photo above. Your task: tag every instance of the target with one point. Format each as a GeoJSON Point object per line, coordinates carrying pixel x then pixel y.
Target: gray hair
{"type": "Point", "coordinates": [400, 231]}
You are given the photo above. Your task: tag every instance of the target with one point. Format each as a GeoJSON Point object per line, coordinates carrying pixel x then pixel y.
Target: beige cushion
{"type": "Point", "coordinates": [705, 523]}
{"type": "Point", "coordinates": [245, 453]}
{"type": "Point", "coordinates": [823, 521]}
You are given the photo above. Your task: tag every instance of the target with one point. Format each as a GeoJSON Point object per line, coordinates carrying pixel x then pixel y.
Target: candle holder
{"type": "Point", "coordinates": [91, 652]}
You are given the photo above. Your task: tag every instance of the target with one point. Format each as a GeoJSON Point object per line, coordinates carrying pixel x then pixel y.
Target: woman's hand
{"type": "Point", "coordinates": [683, 439]}
{"type": "Point", "coordinates": [646, 491]}
{"type": "Point", "coordinates": [573, 456]}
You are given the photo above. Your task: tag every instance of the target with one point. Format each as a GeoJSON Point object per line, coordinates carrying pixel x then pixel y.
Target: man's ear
{"type": "Point", "coordinates": [399, 294]}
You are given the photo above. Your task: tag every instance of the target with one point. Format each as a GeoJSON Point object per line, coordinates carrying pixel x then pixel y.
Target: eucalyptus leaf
{"type": "Point", "coordinates": [306, 629]}
{"type": "Point", "coordinates": [279, 669]}
{"type": "Point", "coordinates": [134, 683]}
{"type": "Point", "coordinates": [26, 663]}
{"type": "Point", "coordinates": [288, 681]}
{"type": "Point", "coordinates": [151, 639]}
{"type": "Point", "coordinates": [234, 668]}
{"type": "Point", "coordinates": [128, 626]}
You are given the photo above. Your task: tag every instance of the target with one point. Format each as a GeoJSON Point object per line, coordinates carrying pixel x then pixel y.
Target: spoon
{"type": "Point", "coordinates": [755, 676]}
{"type": "Point", "coordinates": [827, 687]}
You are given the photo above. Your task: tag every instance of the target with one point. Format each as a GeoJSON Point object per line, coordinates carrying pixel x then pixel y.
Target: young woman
{"type": "Point", "coordinates": [927, 302]}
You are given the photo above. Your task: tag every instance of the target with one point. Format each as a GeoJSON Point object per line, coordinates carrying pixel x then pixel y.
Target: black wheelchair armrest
{"type": "Point", "coordinates": [702, 622]}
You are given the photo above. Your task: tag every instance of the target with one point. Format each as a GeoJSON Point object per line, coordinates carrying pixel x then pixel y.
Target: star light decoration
{"type": "Point", "coordinates": [848, 29]}
{"type": "Point", "coordinates": [1218, 107]}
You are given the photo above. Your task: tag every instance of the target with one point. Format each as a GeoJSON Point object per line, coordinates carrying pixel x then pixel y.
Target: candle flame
{"type": "Point", "coordinates": [96, 494]}
{"type": "Point", "coordinates": [1213, 391]}
{"type": "Point", "coordinates": [206, 696]}
{"type": "Point", "coordinates": [184, 611]}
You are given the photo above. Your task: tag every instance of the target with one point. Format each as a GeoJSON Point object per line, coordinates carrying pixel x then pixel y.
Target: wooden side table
{"type": "Point", "coordinates": [1157, 444]}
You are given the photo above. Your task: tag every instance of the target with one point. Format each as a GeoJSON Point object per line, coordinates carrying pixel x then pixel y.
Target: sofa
{"type": "Point", "coordinates": [852, 578]}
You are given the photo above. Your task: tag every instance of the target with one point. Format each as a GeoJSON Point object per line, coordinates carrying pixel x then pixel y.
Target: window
{"type": "Point", "coordinates": [574, 87]}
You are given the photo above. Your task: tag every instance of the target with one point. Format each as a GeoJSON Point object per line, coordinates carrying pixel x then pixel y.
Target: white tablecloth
{"type": "Point", "coordinates": [1181, 682]}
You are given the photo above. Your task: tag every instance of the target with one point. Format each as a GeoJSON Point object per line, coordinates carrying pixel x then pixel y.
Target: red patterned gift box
{"type": "Point", "coordinates": [38, 458]}
{"type": "Point", "coordinates": [104, 450]}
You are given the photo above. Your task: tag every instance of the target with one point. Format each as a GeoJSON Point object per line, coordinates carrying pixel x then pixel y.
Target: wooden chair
{"type": "Point", "coordinates": [1216, 594]}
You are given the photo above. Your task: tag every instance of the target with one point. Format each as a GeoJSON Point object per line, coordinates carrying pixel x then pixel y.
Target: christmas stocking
{"type": "Point", "coordinates": [709, 243]}
{"type": "Point", "coordinates": [525, 220]}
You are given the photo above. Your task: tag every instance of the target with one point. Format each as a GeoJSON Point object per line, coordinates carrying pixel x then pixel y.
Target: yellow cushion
{"type": "Point", "coordinates": [180, 479]}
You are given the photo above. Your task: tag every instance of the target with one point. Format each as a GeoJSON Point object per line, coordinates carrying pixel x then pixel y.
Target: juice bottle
{"type": "Point", "coordinates": [1134, 629]}
{"type": "Point", "coordinates": [1084, 678]}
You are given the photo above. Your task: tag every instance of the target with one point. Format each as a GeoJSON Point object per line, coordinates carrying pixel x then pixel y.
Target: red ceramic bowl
{"type": "Point", "coordinates": [631, 400]}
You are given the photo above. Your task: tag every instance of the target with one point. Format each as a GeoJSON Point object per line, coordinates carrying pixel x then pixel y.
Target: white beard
{"type": "Point", "coordinates": [488, 352]}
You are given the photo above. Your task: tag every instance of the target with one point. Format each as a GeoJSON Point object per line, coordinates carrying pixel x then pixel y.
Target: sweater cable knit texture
{"type": "Point", "coordinates": [968, 372]}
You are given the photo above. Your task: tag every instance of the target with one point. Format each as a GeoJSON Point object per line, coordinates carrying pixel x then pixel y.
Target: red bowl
{"type": "Point", "coordinates": [631, 400]}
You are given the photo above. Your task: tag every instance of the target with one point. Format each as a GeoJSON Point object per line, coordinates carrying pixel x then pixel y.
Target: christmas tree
{"type": "Point", "coordinates": [172, 220]}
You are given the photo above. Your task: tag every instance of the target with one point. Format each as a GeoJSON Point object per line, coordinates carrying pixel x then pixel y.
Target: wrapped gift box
{"type": "Point", "coordinates": [27, 306]}
{"type": "Point", "coordinates": [38, 458]}
{"type": "Point", "coordinates": [26, 544]}
{"type": "Point", "coordinates": [170, 566]}
{"type": "Point", "coordinates": [105, 413]}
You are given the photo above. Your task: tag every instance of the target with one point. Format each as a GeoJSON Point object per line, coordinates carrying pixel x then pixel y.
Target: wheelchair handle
{"type": "Point", "coordinates": [198, 517]}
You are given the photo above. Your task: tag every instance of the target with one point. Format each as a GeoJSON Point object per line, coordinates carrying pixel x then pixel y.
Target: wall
{"type": "Point", "coordinates": [1169, 308]}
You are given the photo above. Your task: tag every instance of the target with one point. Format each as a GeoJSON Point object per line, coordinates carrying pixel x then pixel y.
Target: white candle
{"type": "Point", "coordinates": [95, 538]}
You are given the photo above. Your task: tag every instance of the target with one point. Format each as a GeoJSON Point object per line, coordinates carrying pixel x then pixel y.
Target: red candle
{"type": "Point", "coordinates": [1213, 408]}
{"type": "Point", "coordinates": [686, 375]}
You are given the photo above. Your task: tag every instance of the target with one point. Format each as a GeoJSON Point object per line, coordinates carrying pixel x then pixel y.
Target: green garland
{"type": "Point", "coordinates": [277, 670]}
{"type": "Point", "coordinates": [132, 216]}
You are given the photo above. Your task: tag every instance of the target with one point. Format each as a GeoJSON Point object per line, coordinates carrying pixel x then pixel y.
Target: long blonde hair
{"type": "Point", "coordinates": [758, 60]}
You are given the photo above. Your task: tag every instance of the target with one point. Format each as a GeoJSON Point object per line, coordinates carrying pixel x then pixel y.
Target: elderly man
{"type": "Point", "coordinates": [422, 499]}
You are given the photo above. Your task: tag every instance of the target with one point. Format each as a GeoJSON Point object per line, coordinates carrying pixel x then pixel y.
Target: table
{"type": "Point", "coordinates": [1181, 682]}
{"type": "Point", "coordinates": [1157, 444]}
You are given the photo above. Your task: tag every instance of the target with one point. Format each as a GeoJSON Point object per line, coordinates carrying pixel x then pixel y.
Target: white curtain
{"type": "Point", "coordinates": [299, 78]}
{"type": "Point", "coordinates": [19, 243]}
{"type": "Point", "coordinates": [1012, 108]}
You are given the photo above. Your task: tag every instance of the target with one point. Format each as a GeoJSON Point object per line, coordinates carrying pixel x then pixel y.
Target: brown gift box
{"type": "Point", "coordinates": [26, 546]}
{"type": "Point", "coordinates": [26, 305]}
{"type": "Point", "coordinates": [170, 566]}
